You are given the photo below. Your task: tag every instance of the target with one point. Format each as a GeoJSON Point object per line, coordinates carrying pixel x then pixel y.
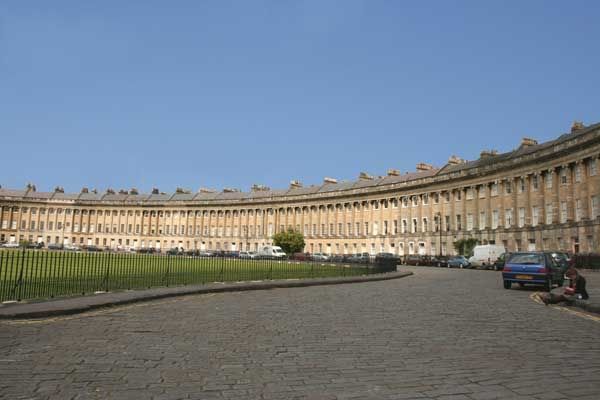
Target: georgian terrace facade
{"type": "Point", "coordinates": [537, 197]}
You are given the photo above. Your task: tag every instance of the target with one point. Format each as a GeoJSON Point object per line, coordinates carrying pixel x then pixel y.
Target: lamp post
{"type": "Point", "coordinates": [439, 227]}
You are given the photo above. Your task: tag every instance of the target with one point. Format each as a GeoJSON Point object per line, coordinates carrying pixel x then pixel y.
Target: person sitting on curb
{"type": "Point", "coordinates": [575, 290]}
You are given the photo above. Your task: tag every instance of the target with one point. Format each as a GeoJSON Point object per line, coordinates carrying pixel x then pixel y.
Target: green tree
{"type": "Point", "coordinates": [465, 246]}
{"type": "Point", "coordinates": [291, 241]}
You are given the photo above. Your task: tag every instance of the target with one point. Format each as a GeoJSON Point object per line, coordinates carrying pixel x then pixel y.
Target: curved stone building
{"type": "Point", "coordinates": [539, 196]}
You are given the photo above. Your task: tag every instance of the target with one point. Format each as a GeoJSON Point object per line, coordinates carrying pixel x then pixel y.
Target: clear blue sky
{"type": "Point", "coordinates": [220, 94]}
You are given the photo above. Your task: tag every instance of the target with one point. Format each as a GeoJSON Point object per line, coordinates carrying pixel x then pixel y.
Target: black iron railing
{"type": "Point", "coordinates": [39, 274]}
{"type": "Point", "coordinates": [587, 260]}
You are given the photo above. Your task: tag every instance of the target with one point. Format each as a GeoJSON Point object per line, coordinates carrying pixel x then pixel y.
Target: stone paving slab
{"type": "Point", "coordinates": [73, 305]}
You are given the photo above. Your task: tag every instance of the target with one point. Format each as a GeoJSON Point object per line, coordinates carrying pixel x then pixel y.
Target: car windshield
{"type": "Point", "coordinates": [526, 259]}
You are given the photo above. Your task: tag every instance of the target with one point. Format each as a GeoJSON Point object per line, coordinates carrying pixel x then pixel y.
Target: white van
{"type": "Point", "coordinates": [485, 255]}
{"type": "Point", "coordinates": [271, 252]}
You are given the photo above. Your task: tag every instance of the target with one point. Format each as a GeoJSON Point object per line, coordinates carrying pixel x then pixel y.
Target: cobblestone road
{"type": "Point", "coordinates": [440, 334]}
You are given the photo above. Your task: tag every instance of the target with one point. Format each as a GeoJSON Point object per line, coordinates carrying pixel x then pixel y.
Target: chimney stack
{"type": "Point", "coordinates": [424, 167]}
{"type": "Point", "coordinates": [365, 176]}
{"type": "Point", "coordinates": [455, 160]}
{"type": "Point", "coordinates": [526, 142]}
{"type": "Point", "coordinates": [259, 188]}
{"type": "Point", "coordinates": [329, 180]}
{"type": "Point", "coordinates": [487, 154]}
{"type": "Point", "coordinates": [577, 126]}
{"type": "Point", "coordinates": [393, 172]}
{"type": "Point", "coordinates": [295, 184]}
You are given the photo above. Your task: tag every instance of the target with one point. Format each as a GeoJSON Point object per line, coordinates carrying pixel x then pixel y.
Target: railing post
{"type": "Point", "coordinates": [166, 278]}
{"type": "Point", "coordinates": [19, 282]}
{"type": "Point", "coordinates": [222, 260]}
{"type": "Point", "coordinates": [107, 273]}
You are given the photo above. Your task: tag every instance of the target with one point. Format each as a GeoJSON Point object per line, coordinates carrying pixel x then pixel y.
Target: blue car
{"type": "Point", "coordinates": [532, 268]}
{"type": "Point", "coordinates": [459, 262]}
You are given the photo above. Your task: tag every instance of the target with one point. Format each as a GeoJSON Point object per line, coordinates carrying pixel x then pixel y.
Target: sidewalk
{"type": "Point", "coordinates": [73, 305]}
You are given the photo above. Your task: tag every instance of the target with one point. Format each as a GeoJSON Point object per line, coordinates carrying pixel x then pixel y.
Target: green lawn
{"type": "Point", "coordinates": [35, 274]}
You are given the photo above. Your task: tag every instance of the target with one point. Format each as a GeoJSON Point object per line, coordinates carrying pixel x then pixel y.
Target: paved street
{"type": "Point", "coordinates": [440, 334]}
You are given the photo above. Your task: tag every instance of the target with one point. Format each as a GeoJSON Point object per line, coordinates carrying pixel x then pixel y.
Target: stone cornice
{"type": "Point", "coordinates": [551, 155]}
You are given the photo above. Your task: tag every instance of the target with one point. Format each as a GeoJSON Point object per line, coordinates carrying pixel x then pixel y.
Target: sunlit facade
{"type": "Point", "coordinates": [537, 197]}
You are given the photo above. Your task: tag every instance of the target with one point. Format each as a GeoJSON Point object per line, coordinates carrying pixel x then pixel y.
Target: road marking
{"type": "Point", "coordinates": [98, 312]}
{"type": "Point", "coordinates": [583, 314]}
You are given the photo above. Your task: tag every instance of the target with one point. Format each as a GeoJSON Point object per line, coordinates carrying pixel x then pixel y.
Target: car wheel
{"type": "Point", "coordinates": [521, 284]}
{"type": "Point", "coordinates": [507, 284]}
{"type": "Point", "coordinates": [439, 265]}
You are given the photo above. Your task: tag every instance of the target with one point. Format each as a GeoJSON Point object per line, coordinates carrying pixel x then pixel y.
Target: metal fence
{"type": "Point", "coordinates": [587, 260]}
{"type": "Point", "coordinates": [40, 274]}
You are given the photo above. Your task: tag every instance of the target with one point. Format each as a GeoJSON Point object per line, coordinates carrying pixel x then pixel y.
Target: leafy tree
{"type": "Point", "coordinates": [291, 241]}
{"type": "Point", "coordinates": [465, 246]}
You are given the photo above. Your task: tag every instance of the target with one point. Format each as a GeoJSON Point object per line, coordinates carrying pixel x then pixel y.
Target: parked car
{"type": "Point", "coordinates": [147, 250]}
{"type": "Point", "coordinates": [386, 255]}
{"type": "Point", "coordinates": [301, 256]}
{"type": "Point", "coordinates": [535, 268]}
{"type": "Point", "coordinates": [92, 248]}
{"type": "Point", "coordinates": [385, 258]}
{"type": "Point", "coordinates": [458, 262]}
{"type": "Point", "coordinates": [71, 247]}
{"type": "Point", "coordinates": [204, 253]}
{"type": "Point", "coordinates": [320, 257]}
{"type": "Point", "coordinates": [339, 258]}
{"type": "Point", "coordinates": [416, 259]}
{"type": "Point", "coordinates": [35, 245]}
{"type": "Point", "coordinates": [271, 252]}
{"type": "Point", "coordinates": [10, 245]}
{"type": "Point", "coordinates": [54, 246]}
{"type": "Point", "coordinates": [360, 258]}
{"type": "Point", "coordinates": [247, 254]}
{"type": "Point", "coordinates": [439, 261]}
{"type": "Point", "coordinates": [175, 252]}
{"type": "Point", "coordinates": [500, 261]}
{"type": "Point", "coordinates": [484, 255]}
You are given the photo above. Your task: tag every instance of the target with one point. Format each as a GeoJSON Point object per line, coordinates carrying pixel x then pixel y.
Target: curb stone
{"type": "Point", "coordinates": [580, 304]}
{"type": "Point", "coordinates": [75, 305]}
